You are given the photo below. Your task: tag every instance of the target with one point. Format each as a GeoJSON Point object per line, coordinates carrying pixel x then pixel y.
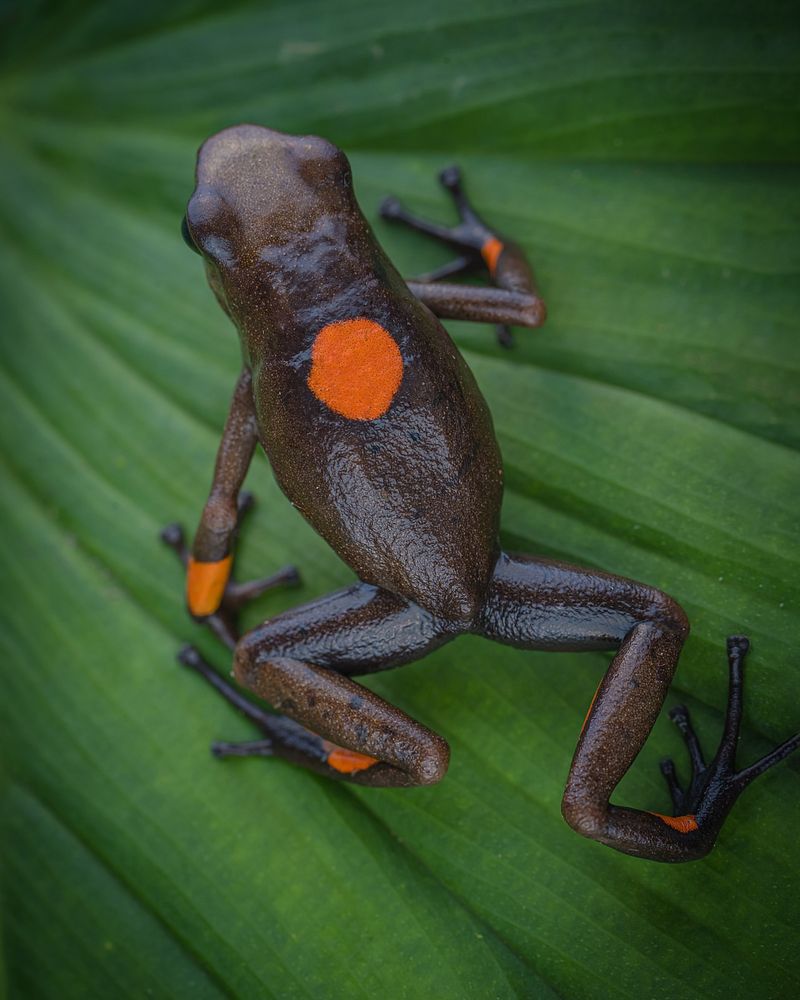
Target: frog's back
{"type": "Point", "coordinates": [379, 435]}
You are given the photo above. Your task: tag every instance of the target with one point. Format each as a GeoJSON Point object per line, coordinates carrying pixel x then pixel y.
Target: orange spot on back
{"type": "Point", "coordinates": [490, 251]}
{"type": "Point", "coordinates": [356, 368]}
{"type": "Point", "coordinates": [348, 761]}
{"type": "Point", "coordinates": [683, 824]}
{"type": "Point", "coordinates": [205, 584]}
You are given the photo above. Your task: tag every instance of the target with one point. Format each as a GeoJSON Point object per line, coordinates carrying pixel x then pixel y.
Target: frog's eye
{"type": "Point", "coordinates": [187, 236]}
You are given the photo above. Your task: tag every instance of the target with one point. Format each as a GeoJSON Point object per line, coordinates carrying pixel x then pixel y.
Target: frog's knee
{"type": "Point", "coordinates": [585, 817]}
{"type": "Point", "coordinates": [432, 760]}
{"type": "Point", "coordinates": [670, 614]}
{"type": "Point", "coordinates": [246, 659]}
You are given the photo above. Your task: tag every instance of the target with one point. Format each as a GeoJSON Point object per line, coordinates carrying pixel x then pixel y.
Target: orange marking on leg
{"type": "Point", "coordinates": [356, 368]}
{"type": "Point", "coordinates": [347, 761]}
{"type": "Point", "coordinates": [205, 584]}
{"type": "Point", "coordinates": [490, 251]}
{"type": "Point", "coordinates": [591, 706]}
{"type": "Point", "coordinates": [683, 824]}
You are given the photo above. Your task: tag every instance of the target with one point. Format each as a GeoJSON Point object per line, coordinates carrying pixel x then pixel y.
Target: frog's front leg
{"type": "Point", "coordinates": [515, 298]}
{"type": "Point", "coordinates": [211, 595]}
{"type": "Point", "coordinates": [541, 604]}
{"type": "Point", "coordinates": [302, 662]}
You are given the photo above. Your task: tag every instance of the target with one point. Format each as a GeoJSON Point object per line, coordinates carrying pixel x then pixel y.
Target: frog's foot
{"type": "Point", "coordinates": [471, 237]}
{"type": "Point", "coordinates": [713, 788]}
{"type": "Point", "coordinates": [224, 622]}
{"type": "Point", "coordinates": [282, 736]}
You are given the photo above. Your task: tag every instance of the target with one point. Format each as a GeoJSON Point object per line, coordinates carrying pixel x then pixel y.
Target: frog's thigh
{"type": "Point", "coordinates": [302, 661]}
{"type": "Point", "coordinates": [545, 604]}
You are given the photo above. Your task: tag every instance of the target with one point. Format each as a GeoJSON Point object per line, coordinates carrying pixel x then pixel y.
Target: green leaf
{"type": "Point", "coordinates": [651, 429]}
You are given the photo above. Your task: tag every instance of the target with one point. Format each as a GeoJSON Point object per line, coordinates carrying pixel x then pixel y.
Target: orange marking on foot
{"type": "Point", "coordinates": [490, 251]}
{"type": "Point", "coordinates": [356, 368]}
{"type": "Point", "coordinates": [348, 761]}
{"type": "Point", "coordinates": [205, 584]}
{"type": "Point", "coordinates": [683, 824]}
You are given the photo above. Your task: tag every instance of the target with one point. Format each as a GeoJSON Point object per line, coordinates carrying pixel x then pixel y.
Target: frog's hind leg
{"type": "Point", "coordinates": [541, 604]}
{"type": "Point", "coordinates": [224, 622]}
{"type": "Point", "coordinates": [302, 663]}
{"type": "Point", "coordinates": [514, 300]}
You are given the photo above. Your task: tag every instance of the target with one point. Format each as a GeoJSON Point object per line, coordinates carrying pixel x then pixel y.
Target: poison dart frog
{"type": "Point", "coordinates": [378, 434]}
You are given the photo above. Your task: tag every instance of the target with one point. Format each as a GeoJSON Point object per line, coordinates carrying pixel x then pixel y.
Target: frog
{"type": "Point", "coordinates": [378, 434]}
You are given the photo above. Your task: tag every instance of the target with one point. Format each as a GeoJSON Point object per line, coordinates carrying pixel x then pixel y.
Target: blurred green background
{"type": "Point", "coordinates": [644, 154]}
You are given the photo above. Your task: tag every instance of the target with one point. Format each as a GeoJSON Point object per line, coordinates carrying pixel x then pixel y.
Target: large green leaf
{"type": "Point", "coordinates": [650, 428]}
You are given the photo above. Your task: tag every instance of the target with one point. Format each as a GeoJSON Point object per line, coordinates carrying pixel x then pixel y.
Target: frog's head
{"type": "Point", "coordinates": [258, 197]}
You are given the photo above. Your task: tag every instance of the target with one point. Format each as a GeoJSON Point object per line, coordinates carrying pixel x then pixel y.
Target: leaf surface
{"type": "Point", "coordinates": [651, 429]}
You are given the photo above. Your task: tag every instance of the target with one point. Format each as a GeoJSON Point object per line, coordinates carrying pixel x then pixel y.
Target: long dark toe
{"type": "Point", "coordinates": [390, 208]}
{"type": "Point", "coordinates": [680, 716]}
{"type": "Point", "coordinates": [450, 177]}
{"type": "Point", "coordinates": [172, 535]}
{"type": "Point", "coordinates": [189, 657]}
{"type": "Point", "coordinates": [738, 645]}
{"type": "Point", "coordinates": [457, 236]}
{"type": "Point", "coordinates": [239, 594]}
{"type": "Point", "coordinates": [290, 576]}
{"type": "Point", "coordinates": [780, 753]}
{"type": "Point", "coordinates": [250, 748]}
{"type": "Point", "coordinates": [505, 338]}
{"type": "Point", "coordinates": [244, 503]}
{"type": "Point", "coordinates": [224, 626]}
{"type": "Point", "coordinates": [667, 767]}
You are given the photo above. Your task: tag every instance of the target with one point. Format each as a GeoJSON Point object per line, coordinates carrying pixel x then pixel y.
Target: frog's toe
{"type": "Point", "coordinates": [450, 177]}
{"type": "Point", "coordinates": [239, 594]}
{"type": "Point", "coordinates": [391, 208]}
{"type": "Point", "coordinates": [244, 503]}
{"type": "Point", "coordinates": [173, 536]}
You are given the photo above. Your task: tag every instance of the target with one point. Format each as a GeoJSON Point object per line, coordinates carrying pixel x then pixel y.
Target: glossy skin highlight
{"type": "Point", "coordinates": [377, 432]}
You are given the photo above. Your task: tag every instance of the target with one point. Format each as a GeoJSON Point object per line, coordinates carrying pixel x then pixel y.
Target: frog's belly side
{"type": "Point", "coordinates": [409, 500]}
